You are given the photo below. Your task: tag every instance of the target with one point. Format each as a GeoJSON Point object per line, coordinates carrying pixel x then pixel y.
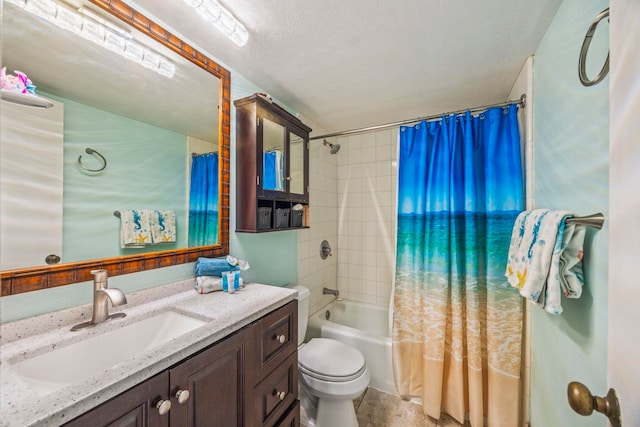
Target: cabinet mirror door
{"type": "Point", "coordinates": [273, 156]}
{"type": "Point", "coordinates": [296, 164]}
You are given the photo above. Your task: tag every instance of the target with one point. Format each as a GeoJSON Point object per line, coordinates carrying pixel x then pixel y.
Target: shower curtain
{"type": "Point", "coordinates": [203, 200]}
{"type": "Point", "coordinates": [273, 170]}
{"type": "Point", "coordinates": [457, 323]}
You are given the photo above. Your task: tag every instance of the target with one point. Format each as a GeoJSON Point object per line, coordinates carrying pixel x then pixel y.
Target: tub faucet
{"type": "Point", "coordinates": [334, 292]}
{"type": "Point", "coordinates": [102, 294]}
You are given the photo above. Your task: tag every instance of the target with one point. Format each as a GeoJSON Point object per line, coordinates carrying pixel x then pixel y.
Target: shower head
{"type": "Point", "coordinates": [334, 147]}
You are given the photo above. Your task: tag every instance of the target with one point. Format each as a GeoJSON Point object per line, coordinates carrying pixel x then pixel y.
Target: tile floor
{"type": "Point", "coordinates": [378, 409]}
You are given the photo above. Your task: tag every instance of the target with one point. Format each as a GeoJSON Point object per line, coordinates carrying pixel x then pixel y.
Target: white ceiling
{"type": "Point", "coordinates": [344, 64]}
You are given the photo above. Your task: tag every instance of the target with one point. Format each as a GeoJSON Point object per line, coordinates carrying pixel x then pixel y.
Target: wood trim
{"type": "Point", "coordinates": [33, 279]}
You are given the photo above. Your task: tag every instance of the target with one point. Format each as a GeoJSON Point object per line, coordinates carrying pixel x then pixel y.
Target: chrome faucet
{"type": "Point", "coordinates": [334, 292]}
{"type": "Point", "coordinates": [102, 294]}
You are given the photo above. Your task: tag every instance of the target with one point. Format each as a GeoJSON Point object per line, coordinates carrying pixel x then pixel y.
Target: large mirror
{"type": "Point", "coordinates": [121, 144]}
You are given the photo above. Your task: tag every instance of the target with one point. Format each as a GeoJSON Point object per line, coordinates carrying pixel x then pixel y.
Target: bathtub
{"type": "Point", "coordinates": [362, 326]}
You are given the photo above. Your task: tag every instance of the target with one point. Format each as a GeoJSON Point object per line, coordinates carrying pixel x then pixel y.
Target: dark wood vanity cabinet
{"type": "Point", "coordinates": [135, 407]}
{"type": "Point", "coordinates": [249, 378]}
{"type": "Point", "coordinates": [272, 167]}
{"type": "Point", "coordinates": [216, 380]}
{"type": "Point", "coordinates": [275, 361]}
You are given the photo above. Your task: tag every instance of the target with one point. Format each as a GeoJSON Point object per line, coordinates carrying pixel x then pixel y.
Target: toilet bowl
{"type": "Point", "coordinates": [331, 375]}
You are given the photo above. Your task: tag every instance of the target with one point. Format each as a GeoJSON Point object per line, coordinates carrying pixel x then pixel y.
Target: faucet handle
{"type": "Point", "coordinates": [100, 278]}
{"type": "Point", "coordinates": [100, 273]}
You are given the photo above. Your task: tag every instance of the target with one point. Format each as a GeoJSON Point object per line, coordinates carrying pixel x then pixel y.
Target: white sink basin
{"type": "Point", "coordinates": [75, 362]}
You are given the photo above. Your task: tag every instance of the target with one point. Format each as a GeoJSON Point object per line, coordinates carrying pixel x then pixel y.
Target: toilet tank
{"type": "Point", "coordinates": [303, 311]}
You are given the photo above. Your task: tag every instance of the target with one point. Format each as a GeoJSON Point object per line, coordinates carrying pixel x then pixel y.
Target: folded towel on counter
{"type": "Point", "coordinates": [206, 284]}
{"type": "Point", "coordinates": [135, 228]}
{"type": "Point", "coordinates": [163, 226]}
{"type": "Point", "coordinates": [545, 258]}
{"type": "Point", "coordinates": [213, 267]}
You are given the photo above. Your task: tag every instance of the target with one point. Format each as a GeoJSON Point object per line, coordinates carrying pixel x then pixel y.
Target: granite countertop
{"type": "Point", "coordinates": [22, 406]}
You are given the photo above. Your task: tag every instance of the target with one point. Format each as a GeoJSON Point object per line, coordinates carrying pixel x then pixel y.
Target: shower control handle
{"type": "Point", "coordinates": [325, 249]}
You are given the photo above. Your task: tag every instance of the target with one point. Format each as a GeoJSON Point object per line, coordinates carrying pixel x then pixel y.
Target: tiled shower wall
{"type": "Point", "coordinates": [366, 215]}
{"type": "Point", "coordinates": [314, 272]}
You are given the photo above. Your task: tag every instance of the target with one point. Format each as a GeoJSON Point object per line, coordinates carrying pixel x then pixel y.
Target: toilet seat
{"type": "Point", "coordinates": [318, 359]}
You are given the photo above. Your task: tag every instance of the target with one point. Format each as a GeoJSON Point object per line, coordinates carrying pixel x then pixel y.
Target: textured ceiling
{"type": "Point", "coordinates": [345, 64]}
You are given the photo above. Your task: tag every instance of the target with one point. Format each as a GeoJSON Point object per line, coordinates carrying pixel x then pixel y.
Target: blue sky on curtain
{"type": "Point", "coordinates": [457, 322]}
{"type": "Point", "coordinates": [203, 200]}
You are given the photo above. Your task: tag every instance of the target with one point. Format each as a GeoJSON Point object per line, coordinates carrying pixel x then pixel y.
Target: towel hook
{"type": "Point", "coordinates": [582, 73]}
{"type": "Point", "coordinates": [92, 151]}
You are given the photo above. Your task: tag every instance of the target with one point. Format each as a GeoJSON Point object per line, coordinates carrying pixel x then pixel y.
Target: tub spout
{"type": "Point", "coordinates": [334, 292]}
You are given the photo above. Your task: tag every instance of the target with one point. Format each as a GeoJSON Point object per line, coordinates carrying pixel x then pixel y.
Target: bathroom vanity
{"type": "Point", "coordinates": [238, 368]}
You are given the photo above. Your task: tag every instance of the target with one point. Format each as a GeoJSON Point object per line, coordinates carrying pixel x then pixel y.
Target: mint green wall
{"type": "Point", "coordinates": [571, 166]}
{"type": "Point", "coordinates": [146, 169]}
{"type": "Point", "coordinates": [273, 256]}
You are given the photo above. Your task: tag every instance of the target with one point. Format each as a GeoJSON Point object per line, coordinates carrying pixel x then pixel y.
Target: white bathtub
{"type": "Point", "coordinates": [362, 326]}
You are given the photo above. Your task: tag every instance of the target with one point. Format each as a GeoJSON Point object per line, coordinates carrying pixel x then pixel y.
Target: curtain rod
{"type": "Point", "coordinates": [521, 102]}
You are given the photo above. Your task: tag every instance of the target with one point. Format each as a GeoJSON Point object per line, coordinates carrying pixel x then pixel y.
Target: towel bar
{"type": "Point", "coordinates": [596, 220]}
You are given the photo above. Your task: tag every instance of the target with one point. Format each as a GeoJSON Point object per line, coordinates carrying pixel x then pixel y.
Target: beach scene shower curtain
{"type": "Point", "coordinates": [457, 323]}
{"type": "Point", "coordinates": [203, 200]}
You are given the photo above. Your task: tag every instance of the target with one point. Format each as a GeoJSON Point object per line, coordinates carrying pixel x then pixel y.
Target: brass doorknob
{"type": "Point", "coordinates": [583, 402]}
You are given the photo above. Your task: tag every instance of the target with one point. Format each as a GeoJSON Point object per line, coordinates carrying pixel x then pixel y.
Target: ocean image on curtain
{"type": "Point", "coordinates": [457, 323]}
{"type": "Point", "coordinates": [203, 200]}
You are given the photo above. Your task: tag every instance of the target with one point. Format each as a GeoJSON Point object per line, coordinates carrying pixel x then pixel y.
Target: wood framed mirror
{"type": "Point", "coordinates": [70, 271]}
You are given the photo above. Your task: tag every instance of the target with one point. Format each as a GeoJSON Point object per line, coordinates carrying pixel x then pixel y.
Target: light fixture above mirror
{"type": "Point", "coordinates": [90, 26]}
{"type": "Point", "coordinates": [222, 19]}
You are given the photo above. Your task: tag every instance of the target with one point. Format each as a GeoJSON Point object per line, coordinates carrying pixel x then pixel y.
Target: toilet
{"type": "Point", "coordinates": [331, 375]}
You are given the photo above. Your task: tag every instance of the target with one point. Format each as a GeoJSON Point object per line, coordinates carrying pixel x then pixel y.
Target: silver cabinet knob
{"type": "Point", "coordinates": [280, 394]}
{"type": "Point", "coordinates": [281, 339]}
{"type": "Point", "coordinates": [182, 395]}
{"type": "Point", "coordinates": [163, 406]}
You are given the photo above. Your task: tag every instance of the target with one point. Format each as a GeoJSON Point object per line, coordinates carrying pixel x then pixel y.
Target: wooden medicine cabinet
{"type": "Point", "coordinates": [272, 167]}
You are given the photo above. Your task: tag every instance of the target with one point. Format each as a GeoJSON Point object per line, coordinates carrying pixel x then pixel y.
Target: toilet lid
{"type": "Point", "coordinates": [330, 360]}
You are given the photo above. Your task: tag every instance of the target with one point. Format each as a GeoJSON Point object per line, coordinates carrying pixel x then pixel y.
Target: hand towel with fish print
{"type": "Point", "coordinates": [545, 258]}
{"type": "Point", "coordinates": [135, 228]}
{"type": "Point", "coordinates": [163, 227]}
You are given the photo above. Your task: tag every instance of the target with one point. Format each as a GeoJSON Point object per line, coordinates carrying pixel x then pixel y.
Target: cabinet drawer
{"type": "Point", "coordinates": [277, 335]}
{"type": "Point", "coordinates": [291, 418]}
{"type": "Point", "coordinates": [277, 392]}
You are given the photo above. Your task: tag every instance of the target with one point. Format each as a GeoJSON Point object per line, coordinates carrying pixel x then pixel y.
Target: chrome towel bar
{"type": "Point", "coordinates": [596, 220]}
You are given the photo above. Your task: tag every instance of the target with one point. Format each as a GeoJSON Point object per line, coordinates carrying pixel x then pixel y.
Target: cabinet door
{"type": "Point", "coordinates": [298, 167]}
{"type": "Point", "coordinates": [217, 385]}
{"type": "Point", "coordinates": [135, 407]}
{"type": "Point", "coordinates": [273, 156]}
